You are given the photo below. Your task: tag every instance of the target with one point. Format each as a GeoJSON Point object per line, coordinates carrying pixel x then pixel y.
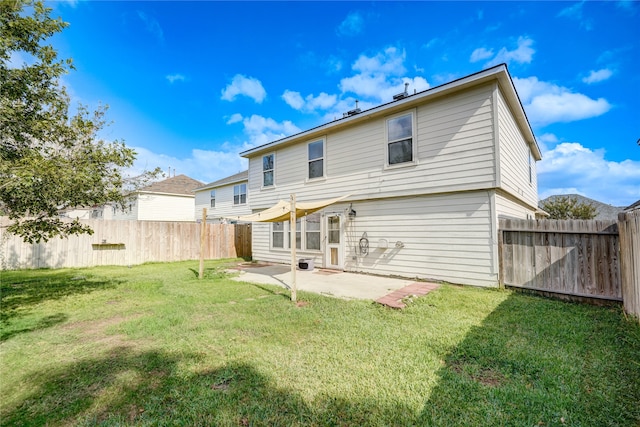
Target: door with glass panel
{"type": "Point", "coordinates": [334, 252]}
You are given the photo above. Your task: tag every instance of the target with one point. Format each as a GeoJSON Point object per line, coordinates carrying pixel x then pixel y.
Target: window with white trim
{"type": "Point", "coordinates": [307, 233]}
{"type": "Point", "coordinates": [213, 198]}
{"type": "Point", "coordinates": [312, 232]}
{"type": "Point", "coordinates": [240, 194]}
{"type": "Point", "coordinates": [268, 163]}
{"type": "Point", "coordinates": [315, 156]}
{"type": "Point", "coordinates": [277, 235]}
{"type": "Point", "coordinates": [400, 140]}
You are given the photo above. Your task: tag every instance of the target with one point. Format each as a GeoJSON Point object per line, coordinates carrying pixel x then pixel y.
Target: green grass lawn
{"type": "Point", "coordinates": [153, 345]}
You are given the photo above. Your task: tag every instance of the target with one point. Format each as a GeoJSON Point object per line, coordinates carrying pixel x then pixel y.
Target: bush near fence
{"type": "Point", "coordinates": [126, 243]}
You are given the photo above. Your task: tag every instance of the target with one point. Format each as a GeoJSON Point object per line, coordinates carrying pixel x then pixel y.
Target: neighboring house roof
{"type": "Point", "coordinates": [239, 177]}
{"type": "Point", "coordinates": [604, 211]}
{"type": "Point", "coordinates": [633, 206]}
{"type": "Point", "coordinates": [180, 184]}
{"type": "Point", "coordinates": [499, 73]}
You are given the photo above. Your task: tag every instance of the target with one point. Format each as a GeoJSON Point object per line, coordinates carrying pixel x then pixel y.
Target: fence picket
{"type": "Point", "coordinates": [126, 243]}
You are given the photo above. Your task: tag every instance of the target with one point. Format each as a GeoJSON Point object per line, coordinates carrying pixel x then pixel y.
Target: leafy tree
{"type": "Point", "coordinates": [566, 207]}
{"type": "Point", "coordinates": [50, 159]}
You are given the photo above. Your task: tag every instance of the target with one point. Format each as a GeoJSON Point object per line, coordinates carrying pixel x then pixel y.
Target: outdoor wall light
{"type": "Point", "coordinates": [352, 213]}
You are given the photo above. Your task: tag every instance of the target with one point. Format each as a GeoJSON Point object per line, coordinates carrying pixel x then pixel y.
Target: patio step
{"type": "Point", "coordinates": [394, 299]}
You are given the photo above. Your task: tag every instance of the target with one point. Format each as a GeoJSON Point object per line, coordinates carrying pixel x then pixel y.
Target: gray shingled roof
{"type": "Point", "coordinates": [240, 176]}
{"type": "Point", "coordinates": [604, 211]}
{"type": "Point", "coordinates": [180, 184]}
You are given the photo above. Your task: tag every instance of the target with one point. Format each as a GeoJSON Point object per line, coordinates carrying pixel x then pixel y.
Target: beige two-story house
{"type": "Point", "coordinates": [427, 177]}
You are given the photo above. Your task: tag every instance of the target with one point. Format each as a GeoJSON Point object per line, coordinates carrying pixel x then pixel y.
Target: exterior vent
{"type": "Point", "coordinates": [352, 112]}
{"type": "Point", "coordinates": [403, 94]}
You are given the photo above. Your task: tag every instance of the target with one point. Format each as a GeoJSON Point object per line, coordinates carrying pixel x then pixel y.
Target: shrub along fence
{"type": "Point", "coordinates": [575, 258]}
{"type": "Point", "coordinates": [126, 243]}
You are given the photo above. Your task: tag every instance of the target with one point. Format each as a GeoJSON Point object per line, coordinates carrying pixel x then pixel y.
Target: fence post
{"type": "Point", "coordinates": [203, 225]}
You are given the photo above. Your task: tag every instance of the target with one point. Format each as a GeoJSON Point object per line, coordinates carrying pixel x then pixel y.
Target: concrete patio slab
{"type": "Point", "coordinates": [326, 282]}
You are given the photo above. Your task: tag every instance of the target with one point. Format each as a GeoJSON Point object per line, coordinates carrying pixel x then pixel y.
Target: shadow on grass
{"type": "Point", "coordinates": [149, 388]}
{"type": "Point", "coordinates": [44, 323]}
{"type": "Point", "coordinates": [536, 361]}
{"type": "Point", "coordinates": [20, 290]}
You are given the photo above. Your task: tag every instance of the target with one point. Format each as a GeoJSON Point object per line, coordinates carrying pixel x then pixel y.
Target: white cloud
{"type": "Point", "coordinates": [310, 103]}
{"type": "Point", "coordinates": [151, 25]}
{"type": "Point", "coordinates": [380, 76]}
{"type": "Point", "coordinates": [569, 167]}
{"type": "Point", "coordinates": [172, 78]}
{"type": "Point", "coordinates": [235, 118]}
{"type": "Point", "coordinates": [352, 25]}
{"type": "Point", "coordinates": [547, 103]}
{"type": "Point", "coordinates": [521, 54]}
{"type": "Point", "coordinates": [203, 165]}
{"type": "Point", "coordinates": [575, 12]}
{"type": "Point", "coordinates": [247, 86]}
{"type": "Point", "coordinates": [262, 130]}
{"type": "Point", "coordinates": [597, 76]}
{"type": "Point", "coordinates": [481, 53]}
{"type": "Point", "coordinates": [293, 99]}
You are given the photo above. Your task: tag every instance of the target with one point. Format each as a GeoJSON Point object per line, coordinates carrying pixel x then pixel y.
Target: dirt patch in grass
{"type": "Point", "coordinates": [485, 376]}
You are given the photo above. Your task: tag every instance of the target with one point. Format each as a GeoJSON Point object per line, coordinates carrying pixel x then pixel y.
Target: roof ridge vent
{"type": "Point", "coordinates": [403, 94]}
{"type": "Point", "coordinates": [352, 112]}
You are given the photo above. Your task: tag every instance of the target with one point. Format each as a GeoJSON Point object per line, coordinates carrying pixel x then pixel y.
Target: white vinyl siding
{"type": "Point", "coordinates": [158, 207]}
{"type": "Point", "coordinates": [508, 206]}
{"type": "Point", "coordinates": [515, 157]}
{"type": "Point", "coordinates": [455, 150]}
{"type": "Point", "coordinates": [224, 204]}
{"type": "Point", "coordinates": [444, 237]}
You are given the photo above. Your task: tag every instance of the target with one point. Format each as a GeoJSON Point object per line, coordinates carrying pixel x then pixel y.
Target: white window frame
{"type": "Point", "coordinates": [323, 158]}
{"type": "Point", "coordinates": [414, 140]}
{"type": "Point", "coordinates": [301, 230]}
{"type": "Point", "coordinates": [273, 171]}
{"type": "Point", "coordinates": [212, 198]}
{"type": "Point", "coordinates": [239, 186]}
{"type": "Point", "coordinates": [284, 233]}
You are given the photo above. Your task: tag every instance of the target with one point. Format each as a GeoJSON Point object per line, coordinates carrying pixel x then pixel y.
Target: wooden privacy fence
{"type": "Point", "coordinates": [575, 257]}
{"type": "Point", "coordinates": [593, 259]}
{"type": "Point", "coordinates": [126, 243]}
{"type": "Point", "coordinates": [629, 226]}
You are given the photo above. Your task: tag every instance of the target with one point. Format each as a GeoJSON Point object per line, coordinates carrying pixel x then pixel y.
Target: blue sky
{"type": "Point", "coordinates": [191, 84]}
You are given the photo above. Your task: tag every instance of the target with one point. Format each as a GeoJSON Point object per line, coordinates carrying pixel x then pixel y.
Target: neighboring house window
{"type": "Point", "coordinates": [277, 235]}
{"type": "Point", "coordinates": [400, 146]}
{"type": "Point", "coordinates": [312, 234]}
{"type": "Point", "coordinates": [530, 170]}
{"type": "Point", "coordinates": [316, 159]}
{"type": "Point", "coordinates": [213, 198]}
{"type": "Point", "coordinates": [267, 170]}
{"type": "Point", "coordinates": [240, 194]}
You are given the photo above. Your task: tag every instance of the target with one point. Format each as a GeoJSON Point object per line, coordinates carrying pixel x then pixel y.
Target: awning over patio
{"type": "Point", "coordinates": [281, 211]}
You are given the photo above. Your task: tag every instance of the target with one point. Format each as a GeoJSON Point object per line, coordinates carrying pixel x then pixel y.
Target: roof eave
{"type": "Point", "coordinates": [499, 72]}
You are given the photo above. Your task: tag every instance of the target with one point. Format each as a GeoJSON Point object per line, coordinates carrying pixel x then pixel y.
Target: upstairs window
{"type": "Point", "coordinates": [213, 198]}
{"type": "Point", "coordinates": [240, 194]}
{"type": "Point", "coordinates": [267, 170]}
{"type": "Point", "coordinates": [316, 159]}
{"type": "Point", "coordinates": [400, 146]}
